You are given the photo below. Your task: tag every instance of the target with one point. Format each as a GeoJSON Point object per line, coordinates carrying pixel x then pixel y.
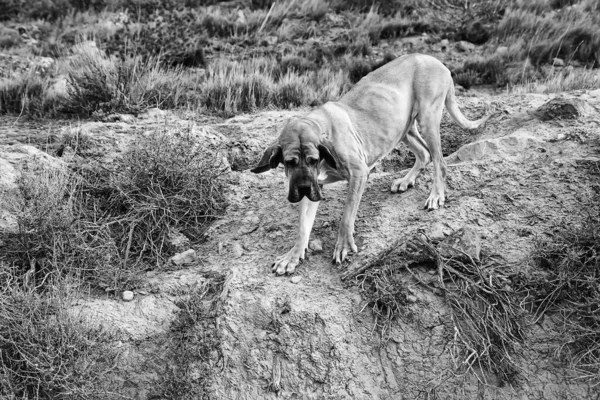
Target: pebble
{"type": "Point", "coordinates": [187, 257]}
{"type": "Point", "coordinates": [411, 298]}
{"type": "Point", "coordinates": [237, 250]}
{"type": "Point", "coordinates": [296, 279]}
{"type": "Point", "coordinates": [127, 295]}
{"type": "Point", "coordinates": [316, 245]}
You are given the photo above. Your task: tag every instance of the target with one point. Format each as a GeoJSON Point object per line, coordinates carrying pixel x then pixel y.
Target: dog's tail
{"type": "Point", "coordinates": [458, 116]}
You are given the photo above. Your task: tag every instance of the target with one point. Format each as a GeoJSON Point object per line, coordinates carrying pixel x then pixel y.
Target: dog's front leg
{"type": "Point", "coordinates": [345, 240]}
{"type": "Point", "coordinates": [287, 263]}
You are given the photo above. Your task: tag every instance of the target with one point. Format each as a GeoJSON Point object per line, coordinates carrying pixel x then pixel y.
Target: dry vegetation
{"type": "Point", "coordinates": [257, 55]}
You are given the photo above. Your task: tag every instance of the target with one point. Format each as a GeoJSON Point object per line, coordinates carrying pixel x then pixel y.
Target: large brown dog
{"type": "Point", "coordinates": [344, 139]}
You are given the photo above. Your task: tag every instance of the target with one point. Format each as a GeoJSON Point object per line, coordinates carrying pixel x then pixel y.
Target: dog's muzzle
{"type": "Point", "coordinates": [308, 189]}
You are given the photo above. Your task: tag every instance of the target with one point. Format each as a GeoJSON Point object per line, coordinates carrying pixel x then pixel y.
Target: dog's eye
{"type": "Point", "coordinates": [292, 162]}
{"type": "Point", "coordinates": [312, 160]}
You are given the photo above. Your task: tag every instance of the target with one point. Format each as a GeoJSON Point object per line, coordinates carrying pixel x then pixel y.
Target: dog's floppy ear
{"type": "Point", "coordinates": [270, 160]}
{"type": "Point", "coordinates": [327, 152]}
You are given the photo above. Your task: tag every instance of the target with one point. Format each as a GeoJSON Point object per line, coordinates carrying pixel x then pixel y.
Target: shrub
{"type": "Point", "coordinates": [165, 182]}
{"type": "Point", "coordinates": [97, 83]}
{"type": "Point", "coordinates": [47, 352]}
{"type": "Point", "coordinates": [292, 91]}
{"type": "Point", "coordinates": [24, 94]}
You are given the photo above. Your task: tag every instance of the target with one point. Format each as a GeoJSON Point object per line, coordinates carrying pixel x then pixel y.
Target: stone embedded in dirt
{"type": "Point", "coordinates": [504, 147]}
{"type": "Point", "coordinates": [558, 62]}
{"type": "Point", "coordinates": [438, 231]}
{"type": "Point", "coordinates": [464, 243]}
{"type": "Point", "coordinates": [411, 299]}
{"type": "Point", "coordinates": [187, 257]}
{"type": "Point", "coordinates": [465, 46]}
{"type": "Point", "coordinates": [595, 93]}
{"type": "Point", "coordinates": [562, 108]}
{"type": "Point", "coordinates": [316, 245]}
{"type": "Point", "coordinates": [237, 250]}
{"type": "Point", "coordinates": [250, 224]}
{"type": "Point", "coordinates": [127, 295]}
{"type": "Point", "coordinates": [296, 279]}
{"type": "Point", "coordinates": [501, 50]}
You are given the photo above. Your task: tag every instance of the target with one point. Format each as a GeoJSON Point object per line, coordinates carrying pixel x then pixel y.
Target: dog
{"type": "Point", "coordinates": [344, 139]}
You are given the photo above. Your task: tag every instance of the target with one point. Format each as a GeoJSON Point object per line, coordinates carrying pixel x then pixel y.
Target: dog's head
{"type": "Point", "coordinates": [300, 148]}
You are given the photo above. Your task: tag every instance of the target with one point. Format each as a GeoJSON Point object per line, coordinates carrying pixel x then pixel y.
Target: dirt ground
{"type": "Point", "coordinates": [516, 181]}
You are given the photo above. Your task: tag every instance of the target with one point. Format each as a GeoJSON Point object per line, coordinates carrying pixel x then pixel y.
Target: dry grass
{"type": "Point", "coordinates": [565, 287]}
{"type": "Point", "coordinates": [487, 319]}
{"type": "Point", "coordinates": [98, 84]}
{"type": "Point", "coordinates": [46, 352]}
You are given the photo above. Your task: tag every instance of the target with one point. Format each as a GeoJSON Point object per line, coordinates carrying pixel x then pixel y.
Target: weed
{"type": "Point", "coordinates": [566, 285]}
{"type": "Point", "coordinates": [195, 347]}
{"type": "Point", "coordinates": [96, 82]}
{"type": "Point", "coordinates": [47, 352]}
{"type": "Point", "coordinates": [164, 181]}
{"type": "Point", "coordinates": [487, 320]}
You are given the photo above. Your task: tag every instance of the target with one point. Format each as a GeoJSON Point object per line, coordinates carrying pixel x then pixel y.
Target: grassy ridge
{"type": "Point", "coordinates": [261, 55]}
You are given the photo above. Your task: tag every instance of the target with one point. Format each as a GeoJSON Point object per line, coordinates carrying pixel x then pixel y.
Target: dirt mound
{"type": "Point", "coordinates": [316, 338]}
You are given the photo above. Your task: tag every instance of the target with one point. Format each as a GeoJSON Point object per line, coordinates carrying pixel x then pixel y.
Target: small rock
{"type": "Point", "coordinates": [142, 292]}
{"type": "Point", "coordinates": [595, 93]}
{"type": "Point", "coordinates": [237, 250]}
{"type": "Point", "coordinates": [501, 50]}
{"type": "Point", "coordinates": [437, 231]}
{"type": "Point", "coordinates": [316, 245]}
{"type": "Point", "coordinates": [465, 241]}
{"type": "Point", "coordinates": [558, 62]}
{"type": "Point", "coordinates": [411, 298]}
{"type": "Point", "coordinates": [296, 279]}
{"type": "Point", "coordinates": [127, 295]}
{"type": "Point", "coordinates": [187, 257]}
{"type": "Point", "coordinates": [465, 46]}
{"type": "Point", "coordinates": [459, 89]}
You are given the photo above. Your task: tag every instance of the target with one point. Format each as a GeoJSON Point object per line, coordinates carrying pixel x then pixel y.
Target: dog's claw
{"type": "Point", "coordinates": [287, 263]}
{"type": "Point", "coordinates": [342, 248]}
{"type": "Point", "coordinates": [434, 202]}
{"type": "Point", "coordinates": [402, 184]}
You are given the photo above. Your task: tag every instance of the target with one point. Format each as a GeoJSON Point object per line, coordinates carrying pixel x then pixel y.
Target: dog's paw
{"type": "Point", "coordinates": [402, 184]}
{"type": "Point", "coordinates": [434, 202]}
{"type": "Point", "coordinates": [343, 246]}
{"type": "Point", "coordinates": [288, 262]}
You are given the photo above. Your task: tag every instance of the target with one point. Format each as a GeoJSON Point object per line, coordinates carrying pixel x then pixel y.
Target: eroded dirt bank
{"type": "Point", "coordinates": [315, 339]}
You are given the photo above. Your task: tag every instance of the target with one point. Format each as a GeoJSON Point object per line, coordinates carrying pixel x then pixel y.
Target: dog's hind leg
{"type": "Point", "coordinates": [287, 263]}
{"type": "Point", "coordinates": [417, 145]}
{"type": "Point", "coordinates": [430, 117]}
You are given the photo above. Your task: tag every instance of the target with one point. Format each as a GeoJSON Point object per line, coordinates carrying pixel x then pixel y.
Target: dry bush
{"type": "Point", "coordinates": [25, 94]}
{"type": "Point", "coordinates": [47, 352]}
{"type": "Point", "coordinates": [53, 239]}
{"type": "Point", "coordinates": [164, 182]}
{"type": "Point", "coordinates": [487, 319]}
{"type": "Point", "coordinates": [565, 287]}
{"type": "Point", "coordinates": [97, 83]}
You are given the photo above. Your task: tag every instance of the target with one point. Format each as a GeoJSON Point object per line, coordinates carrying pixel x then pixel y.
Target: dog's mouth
{"type": "Point", "coordinates": [297, 192]}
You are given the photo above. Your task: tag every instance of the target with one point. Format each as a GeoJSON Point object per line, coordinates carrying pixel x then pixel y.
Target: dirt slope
{"type": "Point", "coordinates": [315, 339]}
